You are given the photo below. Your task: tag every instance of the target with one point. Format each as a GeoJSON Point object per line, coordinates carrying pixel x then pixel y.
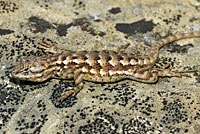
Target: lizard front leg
{"type": "Point", "coordinates": [78, 78]}
{"type": "Point", "coordinates": [50, 47]}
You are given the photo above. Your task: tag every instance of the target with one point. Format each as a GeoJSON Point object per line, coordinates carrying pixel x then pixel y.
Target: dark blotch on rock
{"type": "Point", "coordinates": [141, 26]}
{"type": "Point", "coordinates": [5, 31]}
{"type": "Point", "coordinates": [40, 25]}
{"type": "Point", "coordinates": [115, 10]}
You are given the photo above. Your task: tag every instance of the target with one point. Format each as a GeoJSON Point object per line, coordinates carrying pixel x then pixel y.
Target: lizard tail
{"type": "Point", "coordinates": [173, 38]}
{"type": "Point", "coordinates": [159, 44]}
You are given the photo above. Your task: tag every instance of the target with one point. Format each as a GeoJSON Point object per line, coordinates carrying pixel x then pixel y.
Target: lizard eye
{"type": "Point", "coordinates": [26, 71]}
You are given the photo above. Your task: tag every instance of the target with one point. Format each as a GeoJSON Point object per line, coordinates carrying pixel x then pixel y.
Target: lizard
{"type": "Point", "coordinates": [97, 66]}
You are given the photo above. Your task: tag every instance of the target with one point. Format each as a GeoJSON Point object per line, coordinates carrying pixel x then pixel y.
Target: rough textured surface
{"type": "Point", "coordinates": [169, 106]}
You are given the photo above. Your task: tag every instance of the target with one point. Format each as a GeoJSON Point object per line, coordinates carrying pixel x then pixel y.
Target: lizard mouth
{"type": "Point", "coordinates": [25, 75]}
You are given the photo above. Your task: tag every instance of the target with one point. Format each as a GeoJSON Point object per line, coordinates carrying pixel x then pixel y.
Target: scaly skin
{"type": "Point", "coordinates": [97, 66]}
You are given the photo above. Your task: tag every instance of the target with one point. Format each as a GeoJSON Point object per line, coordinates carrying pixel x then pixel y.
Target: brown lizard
{"type": "Point", "coordinates": [96, 66]}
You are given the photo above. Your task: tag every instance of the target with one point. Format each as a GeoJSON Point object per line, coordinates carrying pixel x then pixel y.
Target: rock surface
{"type": "Point", "coordinates": [172, 105]}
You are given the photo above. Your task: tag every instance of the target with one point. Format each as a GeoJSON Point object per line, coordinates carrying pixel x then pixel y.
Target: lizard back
{"type": "Point", "coordinates": [103, 65]}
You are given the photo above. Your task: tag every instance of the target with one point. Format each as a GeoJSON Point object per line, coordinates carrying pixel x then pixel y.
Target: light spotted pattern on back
{"type": "Point", "coordinates": [96, 66]}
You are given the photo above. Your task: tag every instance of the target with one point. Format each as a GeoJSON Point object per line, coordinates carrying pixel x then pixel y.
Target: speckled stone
{"type": "Point", "coordinates": [170, 106]}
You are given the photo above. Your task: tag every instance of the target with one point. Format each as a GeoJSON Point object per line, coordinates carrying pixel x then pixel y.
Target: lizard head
{"type": "Point", "coordinates": [32, 68]}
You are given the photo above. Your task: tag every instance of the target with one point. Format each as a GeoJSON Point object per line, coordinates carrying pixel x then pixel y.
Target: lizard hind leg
{"type": "Point", "coordinates": [173, 73]}
{"type": "Point", "coordinates": [151, 76]}
{"type": "Point", "coordinates": [78, 77]}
